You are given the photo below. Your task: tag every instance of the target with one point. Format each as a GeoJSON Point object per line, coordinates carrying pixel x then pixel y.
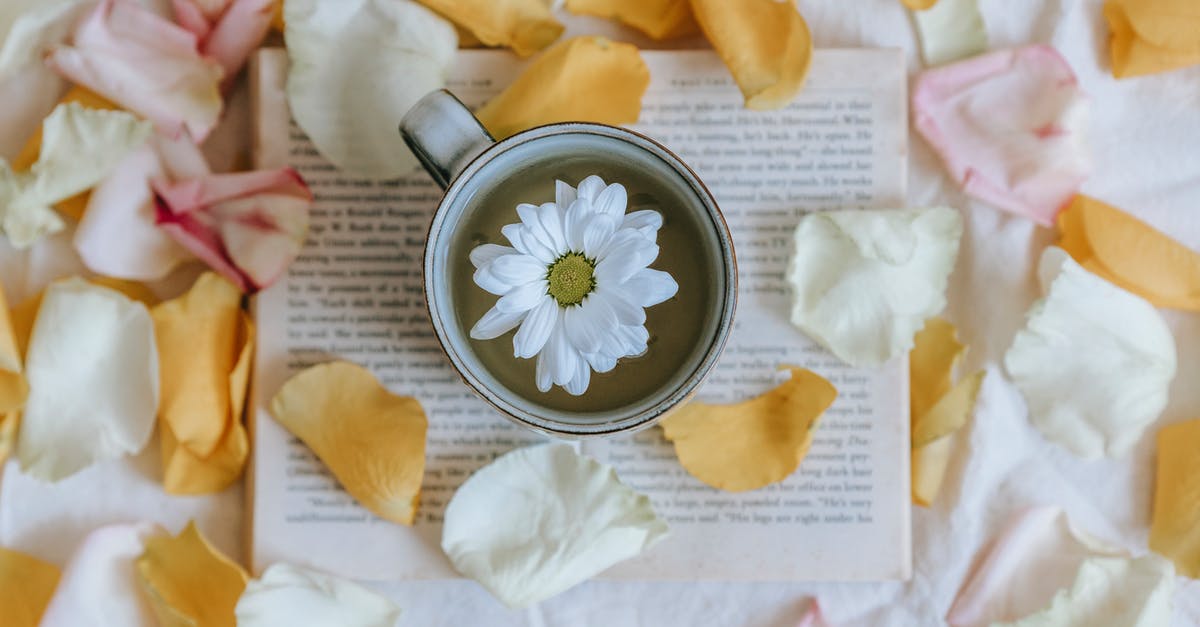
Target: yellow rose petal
{"type": "Point", "coordinates": [1175, 525]}
{"type": "Point", "coordinates": [660, 19]}
{"type": "Point", "coordinates": [9, 423]}
{"type": "Point", "coordinates": [1152, 36]}
{"type": "Point", "coordinates": [190, 583]}
{"type": "Point", "coordinates": [372, 440]}
{"type": "Point", "coordinates": [765, 44]}
{"type": "Point", "coordinates": [132, 289]}
{"type": "Point", "coordinates": [526, 26]}
{"type": "Point", "coordinates": [748, 445]}
{"type": "Point", "coordinates": [13, 388]}
{"type": "Point", "coordinates": [26, 585]}
{"type": "Point", "coordinates": [22, 318]}
{"type": "Point", "coordinates": [1130, 253]}
{"type": "Point", "coordinates": [935, 352]}
{"type": "Point", "coordinates": [919, 5]}
{"type": "Point", "coordinates": [205, 342]}
{"type": "Point", "coordinates": [588, 79]}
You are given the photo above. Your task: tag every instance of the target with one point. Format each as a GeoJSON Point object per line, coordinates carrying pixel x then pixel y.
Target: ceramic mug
{"type": "Point", "coordinates": [465, 161]}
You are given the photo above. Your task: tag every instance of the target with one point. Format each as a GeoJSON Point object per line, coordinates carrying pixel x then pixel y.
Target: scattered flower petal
{"type": "Point", "coordinates": [1111, 592]}
{"type": "Point", "coordinates": [1131, 254]}
{"type": "Point", "coordinates": [660, 19]}
{"type": "Point", "coordinates": [812, 616]}
{"type": "Point", "coordinates": [99, 586]}
{"type": "Point", "coordinates": [765, 44]}
{"type": "Point", "coordinates": [1036, 554]}
{"type": "Point", "coordinates": [1152, 36]}
{"type": "Point", "coordinates": [79, 147]}
{"type": "Point", "coordinates": [919, 5]}
{"type": "Point", "coordinates": [248, 226]}
{"type": "Point", "coordinates": [227, 30]}
{"type": "Point", "coordinates": [372, 440]}
{"type": "Point", "coordinates": [749, 445]}
{"type": "Point", "coordinates": [145, 63]}
{"type": "Point", "coordinates": [26, 585]}
{"type": "Point", "coordinates": [526, 26]}
{"type": "Point", "coordinates": [1175, 526]}
{"type": "Point", "coordinates": [190, 583]}
{"type": "Point", "coordinates": [291, 595]}
{"type": "Point", "coordinates": [866, 281]}
{"type": "Point", "coordinates": [1094, 362]}
{"type": "Point", "coordinates": [541, 519]}
{"type": "Point", "coordinates": [357, 66]}
{"type": "Point", "coordinates": [13, 387]}
{"type": "Point", "coordinates": [1010, 127]}
{"type": "Point", "coordinates": [591, 79]}
{"type": "Point", "coordinates": [93, 379]}
{"type": "Point", "coordinates": [950, 30]}
{"type": "Point", "coordinates": [205, 342]}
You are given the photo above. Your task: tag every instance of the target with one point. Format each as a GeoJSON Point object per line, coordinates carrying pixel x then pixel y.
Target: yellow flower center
{"type": "Point", "coordinates": [571, 279]}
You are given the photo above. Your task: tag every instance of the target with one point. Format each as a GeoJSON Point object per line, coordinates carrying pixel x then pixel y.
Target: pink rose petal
{"type": "Point", "coordinates": [247, 226]}
{"type": "Point", "coordinates": [146, 64]}
{"type": "Point", "coordinates": [1010, 127]}
{"type": "Point", "coordinates": [118, 235]}
{"type": "Point", "coordinates": [228, 30]}
{"type": "Point", "coordinates": [812, 616]}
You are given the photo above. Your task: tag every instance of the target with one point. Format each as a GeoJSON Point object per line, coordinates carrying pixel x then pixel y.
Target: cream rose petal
{"type": "Point", "coordinates": [79, 147]}
{"type": "Point", "coordinates": [951, 29]}
{"type": "Point", "coordinates": [865, 281]}
{"type": "Point", "coordinates": [1094, 362]}
{"type": "Point", "coordinates": [542, 519]}
{"type": "Point", "coordinates": [1111, 592]}
{"type": "Point", "coordinates": [291, 595]}
{"type": "Point", "coordinates": [100, 586]}
{"type": "Point", "coordinates": [356, 67]}
{"type": "Point", "coordinates": [92, 369]}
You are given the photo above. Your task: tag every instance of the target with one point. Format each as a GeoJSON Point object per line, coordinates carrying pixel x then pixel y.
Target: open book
{"type": "Point", "coordinates": [355, 294]}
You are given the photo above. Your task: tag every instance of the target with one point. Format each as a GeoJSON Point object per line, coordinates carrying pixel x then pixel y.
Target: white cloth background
{"type": "Point", "coordinates": [1145, 137]}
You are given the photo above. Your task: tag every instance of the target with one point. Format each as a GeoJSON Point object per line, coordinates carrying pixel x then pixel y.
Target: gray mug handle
{"type": "Point", "coordinates": [444, 136]}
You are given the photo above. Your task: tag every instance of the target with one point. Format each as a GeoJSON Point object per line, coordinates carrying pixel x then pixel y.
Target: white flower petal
{"type": "Point", "coordinates": [1111, 592]}
{"type": "Point", "coordinates": [485, 279]}
{"type": "Point", "coordinates": [633, 340]}
{"type": "Point", "coordinates": [612, 201]}
{"type": "Point", "coordinates": [575, 223]}
{"type": "Point", "coordinates": [551, 219]}
{"type": "Point", "coordinates": [601, 362]}
{"type": "Point", "coordinates": [622, 260]}
{"type": "Point", "coordinates": [646, 221]}
{"type": "Point", "coordinates": [518, 269]}
{"type": "Point", "coordinates": [648, 287]}
{"type": "Point", "coordinates": [564, 194]}
{"type": "Point", "coordinates": [100, 586]}
{"type": "Point", "coordinates": [542, 375]}
{"type": "Point", "coordinates": [495, 323]}
{"type": "Point", "coordinates": [587, 324]}
{"type": "Point", "coordinates": [291, 595]}
{"type": "Point", "coordinates": [597, 231]}
{"type": "Point", "coordinates": [356, 67]}
{"type": "Point", "coordinates": [627, 312]}
{"type": "Point", "coordinates": [486, 253]}
{"type": "Point", "coordinates": [864, 282]}
{"type": "Point", "coordinates": [522, 297]}
{"type": "Point", "coordinates": [562, 356]}
{"type": "Point", "coordinates": [1094, 362]}
{"type": "Point", "coordinates": [580, 379]}
{"type": "Point", "coordinates": [526, 243]}
{"type": "Point", "coordinates": [92, 369]}
{"type": "Point", "coordinates": [590, 188]}
{"type": "Point", "coordinates": [540, 520]}
{"type": "Point", "coordinates": [536, 328]}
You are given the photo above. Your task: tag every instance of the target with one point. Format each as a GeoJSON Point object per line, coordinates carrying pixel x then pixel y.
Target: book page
{"type": "Point", "coordinates": [355, 293]}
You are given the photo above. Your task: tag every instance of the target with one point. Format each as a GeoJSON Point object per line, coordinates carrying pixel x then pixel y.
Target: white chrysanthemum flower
{"type": "Point", "coordinates": [577, 282]}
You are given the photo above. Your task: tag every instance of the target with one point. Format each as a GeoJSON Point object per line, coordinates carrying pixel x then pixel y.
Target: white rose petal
{"type": "Point", "coordinates": [291, 595]}
{"type": "Point", "coordinates": [542, 519]}
{"type": "Point", "coordinates": [1094, 362]}
{"type": "Point", "coordinates": [92, 368]}
{"type": "Point", "coordinates": [100, 585]}
{"type": "Point", "coordinates": [864, 282]}
{"type": "Point", "coordinates": [357, 66]}
{"type": "Point", "coordinates": [1111, 592]}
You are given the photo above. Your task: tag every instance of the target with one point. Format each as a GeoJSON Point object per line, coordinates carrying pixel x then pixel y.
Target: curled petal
{"type": "Point", "coordinates": [1010, 126]}
{"type": "Point", "coordinates": [1111, 592]}
{"type": "Point", "coordinates": [291, 595]}
{"type": "Point", "coordinates": [93, 375]}
{"type": "Point", "coordinates": [146, 64]}
{"type": "Point", "coordinates": [1151, 36]}
{"type": "Point", "coordinates": [189, 581]}
{"type": "Point", "coordinates": [586, 78]}
{"type": "Point", "coordinates": [864, 282]}
{"type": "Point", "coordinates": [100, 585]}
{"type": "Point", "coordinates": [765, 44]}
{"type": "Point", "coordinates": [228, 30]}
{"type": "Point", "coordinates": [526, 26]}
{"type": "Point", "coordinates": [372, 440]}
{"type": "Point", "coordinates": [749, 445]}
{"type": "Point", "coordinates": [247, 226]}
{"type": "Point", "coordinates": [542, 519]}
{"type": "Point", "coordinates": [660, 19]}
{"type": "Point", "coordinates": [1093, 362]}
{"type": "Point", "coordinates": [348, 98]}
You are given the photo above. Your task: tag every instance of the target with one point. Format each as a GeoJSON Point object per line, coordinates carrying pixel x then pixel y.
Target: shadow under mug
{"type": "Point", "coordinates": [462, 157]}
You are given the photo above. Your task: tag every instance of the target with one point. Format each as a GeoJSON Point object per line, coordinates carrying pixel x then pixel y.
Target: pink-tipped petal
{"type": "Point", "coordinates": [191, 17]}
{"type": "Point", "coordinates": [247, 226]}
{"type": "Point", "coordinates": [238, 32]}
{"type": "Point", "coordinates": [812, 616]}
{"type": "Point", "coordinates": [146, 64]}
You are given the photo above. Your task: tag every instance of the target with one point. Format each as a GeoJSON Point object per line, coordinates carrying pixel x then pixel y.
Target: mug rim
{"type": "Point", "coordinates": [648, 416]}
